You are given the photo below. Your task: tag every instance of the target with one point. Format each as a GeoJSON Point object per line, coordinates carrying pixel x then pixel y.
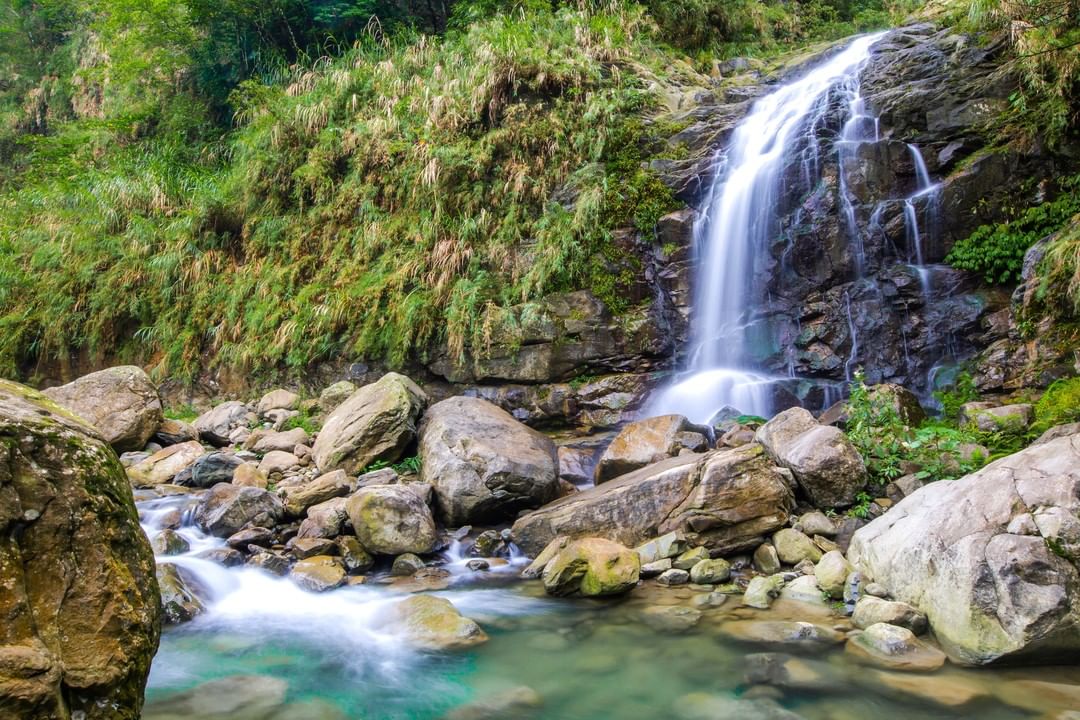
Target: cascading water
{"type": "Point", "coordinates": [741, 219]}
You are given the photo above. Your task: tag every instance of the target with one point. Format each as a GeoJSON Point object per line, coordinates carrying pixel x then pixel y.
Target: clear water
{"type": "Point", "coordinates": [587, 660]}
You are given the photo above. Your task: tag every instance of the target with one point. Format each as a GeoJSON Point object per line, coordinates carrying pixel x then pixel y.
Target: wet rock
{"type": "Point", "coordinates": [258, 536]}
{"type": "Point", "coordinates": [169, 542]}
{"type": "Point", "coordinates": [690, 558]}
{"type": "Point", "coordinates": [870, 610]}
{"type": "Point", "coordinates": [710, 572]}
{"type": "Point", "coordinates": [325, 520]}
{"type": "Point", "coordinates": [179, 603]}
{"type": "Point", "coordinates": [792, 547]}
{"type": "Point", "coordinates": [406, 564]}
{"type": "Point", "coordinates": [209, 470]}
{"type": "Point", "coordinates": [331, 485]}
{"type": "Point", "coordinates": [782, 632]}
{"type": "Point", "coordinates": [766, 561]}
{"type": "Point", "coordinates": [319, 573]}
{"type": "Point", "coordinates": [121, 402]}
{"type": "Point", "coordinates": [227, 508]}
{"type": "Point", "coordinates": [279, 399]}
{"type": "Point", "coordinates": [646, 442]}
{"type": "Point", "coordinates": [238, 696]}
{"type": "Point", "coordinates": [724, 501]}
{"type": "Point", "coordinates": [673, 576]}
{"type": "Point", "coordinates": [950, 691]}
{"type": "Point", "coordinates": [656, 567]}
{"type": "Point", "coordinates": [1039, 695]}
{"type": "Point", "coordinates": [485, 466]}
{"type": "Point", "coordinates": [216, 425]}
{"type": "Point", "coordinates": [804, 589]}
{"type": "Point", "coordinates": [762, 590]}
{"type": "Point", "coordinates": [164, 465]}
{"type": "Point", "coordinates": [894, 648]}
{"type": "Point", "coordinates": [304, 548]}
{"type": "Point", "coordinates": [391, 520]}
{"type": "Point", "coordinates": [663, 547]}
{"type": "Point", "coordinates": [271, 562]}
{"type": "Point", "coordinates": [80, 605]}
{"type": "Point", "coordinates": [1031, 576]}
{"type": "Point", "coordinates": [824, 462]}
{"type": "Point", "coordinates": [832, 572]}
{"type": "Point", "coordinates": [377, 422]}
{"type": "Point", "coordinates": [353, 554]}
{"type": "Point", "coordinates": [592, 567]}
{"type": "Point", "coordinates": [226, 557]}
{"type": "Point", "coordinates": [516, 702]}
{"type": "Point", "coordinates": [433, 623]}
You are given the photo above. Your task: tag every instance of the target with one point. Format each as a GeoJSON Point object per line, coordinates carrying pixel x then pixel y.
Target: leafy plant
{"type": "Point", "coordinates": [1060, 404]}
{"type": "Point", "coordinates": [302, 420]}
{"type": "Point", "coordinates": [410, 465]}
{"type": "Point", "coordinates": [953, 398]}
{"type": "Point", "coordinates": [861, 508]}
{"type": "Point", "coordinates": [186, 413]}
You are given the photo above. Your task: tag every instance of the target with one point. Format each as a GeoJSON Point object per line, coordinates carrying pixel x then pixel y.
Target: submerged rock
{"type": "Point", "coordinates": [485, 466]}
{"type": "Point", "coordinates": [516, 702]}
{"type": "Point", "coordinates": [376, 423]}
{"type": "Point", "coordinates": [781, 632]}
{"type": "Point", "coordinates": [319, 573]}
{"type": "Point", "coordinates": [121, 402]}
{"type": "Point", "coordinates": [80, 601]}
{"type": "Point", "coordinates": [1008, 532]}
{"type": "Point", "coordinates": [236, 697]}
{"type": "Point", "coordinates": [895, 648]}
{"type": "Point", "coordinates": [592, 567]}
{"type": "Point", "coordinates": [433, 623]}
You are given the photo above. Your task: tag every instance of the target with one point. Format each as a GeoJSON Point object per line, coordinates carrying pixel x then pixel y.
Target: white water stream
{"type": "Point", "coordinates": [741, 220]}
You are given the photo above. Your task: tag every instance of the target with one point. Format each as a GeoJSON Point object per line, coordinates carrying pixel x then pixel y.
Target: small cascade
{"type": "Point", "coordinates": [741, 219]}
{"type": "Point", "coordinates": [854, 333]}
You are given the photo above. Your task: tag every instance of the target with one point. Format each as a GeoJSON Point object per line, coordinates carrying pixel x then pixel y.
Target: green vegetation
{"type": "Point", "coordinates": [997, 251]}
{"type": "Point", "coordinates": [302, 420]}
{"type": "Point", "coordinates": [952, 399]}
{"type": "Point", "coordinates": [186, 413]}
{"type": "Point", "coordinates": [1060, 404]}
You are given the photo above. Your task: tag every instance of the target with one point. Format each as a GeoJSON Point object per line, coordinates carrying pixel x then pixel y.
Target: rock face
{"type": "Point", "coordinates": [79, 603]}
{"type": "Point", "coordinates": [592, 567]}
{"type": "Point", "coordinates": [646, 442]}
{"type": "Point", "coordinates": [121, 402]}
{"type": "Point", "coordinates": [824, 462]}
{"type": "Point", "coordinates": [391, 520]}
{"type": "Point", "coordinates": [376, 423]}
{"type": "Point", "coordinates": [991, 559]}
{"type": "Point", "coordinates": [726, 501]}
{"type": "Point", "coordinates": [485, 466]}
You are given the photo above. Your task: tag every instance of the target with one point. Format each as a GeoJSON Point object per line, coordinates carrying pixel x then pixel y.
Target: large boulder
{"type": "Point", "coordinates": [646, 442]}
{"type": "Point", "coordinates": [226, 509]}
{"type": "Point", "coordinates": [216, 425]}
{"type": "Point", "coordinates": [592, 567]}
{"type": "Point", "coordinates": [391, 520]}
{"type": "Point", "coordinates": [485, 466]}
{"type": "Point", "coordinates": [824, 462]}
{"type": "Point", "coordinates": [80, 612]}
{"type": "Point", "coordinates": [726, 501]}
{"type": "Point", "coordinates": [164, 465]}
{"type": "Point", "coordinates": [325, 487]}
{"type": "Point", "coordinates": [433, 623]}
{"type": "Point", "coordinates": [121, 402]}
{"type": "Point", "coordinates": [991, 559]}
{"type": "Point", "coordinates": [376, 423]}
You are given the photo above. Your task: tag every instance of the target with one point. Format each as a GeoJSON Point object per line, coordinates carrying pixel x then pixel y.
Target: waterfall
{"type": "Point", "coordinates": [741, 218]}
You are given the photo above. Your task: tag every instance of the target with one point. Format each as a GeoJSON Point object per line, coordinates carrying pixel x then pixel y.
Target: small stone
{"type": "Point", "coordinates": [655, 568]}
{"type": "Point", "coordinates": [169, 542]}
{"type": "Point", "coordinates": [269, 561]}
{"type": "Point", "coordinates": [804, 589]}
{"type": "Point", "coordinates": [831, 573]}
{"type": "Point", "coordinates": [793, 547]}
{"type": "Point", "coordinates": [278, 461]}
{"type": "Point", "coordinates": [690, 558]}
{"type": "Point", "coordinates": [319, 573]}
{"type": "Point", "coordinates": [816, 523]}
{"type": "Point", "coordinates": [673, 577]}
{"type": "Point", "coordinates": [876, 589]}
{"type": "Point", "coordinates": [825, 544]}
{"type": "Point", "coordinates": [353, 554]}
{"type": "Point", "coordinates": [250, 536]}
{"type": "Point", "coordinates": [225, 556]}
{"type": "Point", "coordinates": [303, 548]}
{"type": "Point", "coordinates": [871, 610]}
{"type": "Point", "coordinates": [665, 546]}
{"type": "Point", "coordinates": [766, 560]}
{"type": "Point", "coordinates": [249, 475]}
{"type": "Point", "coordinates": [762, 590]}
{"type": "Point", "coordinates": [478, 565]}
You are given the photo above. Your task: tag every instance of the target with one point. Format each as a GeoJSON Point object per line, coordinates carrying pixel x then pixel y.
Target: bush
{"type": "Point", "coordinates": [1060, 404]}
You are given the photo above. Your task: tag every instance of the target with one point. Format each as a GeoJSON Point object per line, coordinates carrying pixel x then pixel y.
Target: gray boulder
{"type": "Point", "coordinates": [991, 559]}
{"type": "Point", "coordinates": [226, 509]}
{"type": "Point", "coordinates": [209, 470]}
{"type": "Point", "coordinates": [216, 425]}
{"type": "Point", "coordinates": [391, 520]}
{"type": "Point", "coordinates": [824, 462]}
{"type": "Point", "coordinates": [121, 402]}
{"type": "Point", "coordinates": [485, 466]}
{"type": "Point", "coordinates": [376, 423]}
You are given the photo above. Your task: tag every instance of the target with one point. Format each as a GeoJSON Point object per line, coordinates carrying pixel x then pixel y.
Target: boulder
{"type": "Point", "coordinates": [179, 603]}
{"type": "Point", "coordinates": [391, 520]}
{"type": "Point", "coordinates": [304, 548]}
{"type": "Point", "coordinates": [725, 500]}
{"type": "Point", "coordinates": [279, 399]}
{"type": "Point", "coordinates": [333, 396]}
{"type": "Point", "coordinates": [164, 465]}
{"type": "Point", "coordinates": [209, 470]}
{"type": "Point", "coordinates": [762, 590]}
{"type": "Point", "coordinates": [592, 567]}
{"type": "Point", "coordinates": [870, 610]}
{"type": "Point", "coordinates": [285, 441]}
{"type": "Point", "coordinates": [406, 564]}
{"type": "Point", "coordinates": [80, 610]}
{"type": "Point", "coordinates": [174, 432]}
{"type": "Point", "coordinates": [169, 542]}
{"type": "Point", "coordinates": [894, 648]}
{"type": "Point", "coordinates": [319, 573]}
{"type": "Point", "coordinates": [278, 462]}
{"type": "Point", "coordinates": [824, 462]}
{"type": "Point", "coordinates": [991, 559]}
{"type": "Point", "coordinates": [792, 547]}
{"type": "Point", "coordinates": [674, 576]}
{"type": "Point", "coordinates": [377, 422]}
{"type": "Point", "coordinates": [216, 425]}
{"type": "Point", "coordinates": [804, 589]}
{"type": "Point", "coordinates": [782, 632]}
{"type": "Point", "coordinates": [249, 475]}
{"type": "Point", "coordinates": [766, 560]}
{"type": "Point", "coordinates": [903, 401]}
{"type": "Point", "coordinates": [646, 442]}
{"type": "Point", "coordinates": [690, 558]}
{"type": "Point", "coordinates": [710, 572]}
{"type": "Point", "coordinates": [121, 402]}
{"type": "Point", "coordinates": [1007, 418]}
{"type": "Point", "coordinates": [325, 520]}
{"type": "Point", "coordinates": [325, 487]}
{"type": "Point", "coordinates": [353, 554]}
{"type": "Point", "coordinates": [433, 623]}
{"type": "Point", "coordinates": [258, 536]}
{"type": "Point", "coordinates": [485, 466]}
{"type": "Point", "coordinates": [665, 546]}
{"type": "Point", "coordinates": [226, 509]}
{"type": "Point", "coordinates": [832, 572]}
